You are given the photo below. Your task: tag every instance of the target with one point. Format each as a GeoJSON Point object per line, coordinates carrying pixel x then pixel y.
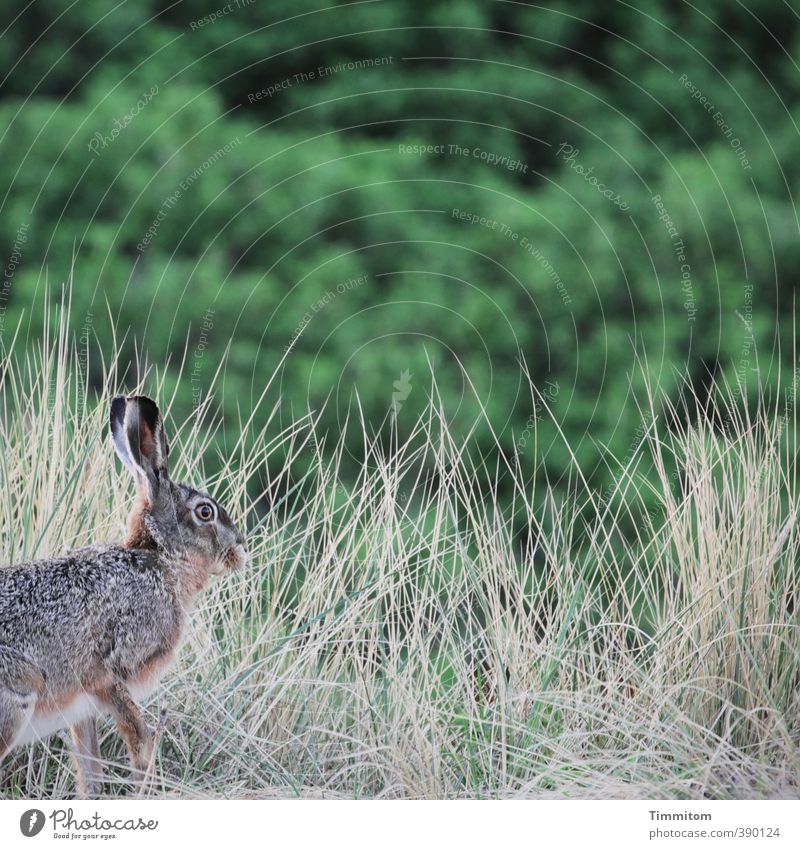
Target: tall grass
{"type": "Point", "coordinates": [399, 634]}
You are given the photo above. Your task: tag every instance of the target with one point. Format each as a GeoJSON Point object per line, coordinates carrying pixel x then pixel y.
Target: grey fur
{"type": "Point", "coordinates": [89, 628]}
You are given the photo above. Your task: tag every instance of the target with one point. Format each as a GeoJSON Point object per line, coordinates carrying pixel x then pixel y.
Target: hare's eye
{"type": "Point", "coordinates": [204, 512]}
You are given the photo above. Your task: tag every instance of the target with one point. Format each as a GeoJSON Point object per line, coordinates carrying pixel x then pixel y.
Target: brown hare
{"type": "Point", "coordinates": [91, 631]}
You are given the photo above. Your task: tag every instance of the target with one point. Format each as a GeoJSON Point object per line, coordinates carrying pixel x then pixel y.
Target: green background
{"type": "Point", "coordinates": [315, 188]}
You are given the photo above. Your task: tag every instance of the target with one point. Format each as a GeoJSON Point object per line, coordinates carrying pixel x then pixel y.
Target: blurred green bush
{"type": "Point", "coordinates": [283, 197]}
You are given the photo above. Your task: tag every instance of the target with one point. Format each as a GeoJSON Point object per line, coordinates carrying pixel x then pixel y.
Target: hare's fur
{"type": "Point", "coordinates": [124, 615]}
{"type": "Point", "coordinates": [91, 631]}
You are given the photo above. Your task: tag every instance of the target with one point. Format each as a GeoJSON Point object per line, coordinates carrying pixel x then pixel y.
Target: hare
{"type": "Point", "coordinates": [91, 631]}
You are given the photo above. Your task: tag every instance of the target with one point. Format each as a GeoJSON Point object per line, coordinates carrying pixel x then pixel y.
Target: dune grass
{"type": "Point", "coordinates": [398, 634]}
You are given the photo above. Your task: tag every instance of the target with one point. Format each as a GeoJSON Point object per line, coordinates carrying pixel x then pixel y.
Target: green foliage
{"type": "Point", "coordinates": [285, 196]}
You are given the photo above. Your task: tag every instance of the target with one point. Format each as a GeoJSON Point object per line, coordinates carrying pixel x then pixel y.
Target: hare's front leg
{"type": "Point", "coordinates": [131, 726]}
{"type": "Point", "coordinates": [86, 755]}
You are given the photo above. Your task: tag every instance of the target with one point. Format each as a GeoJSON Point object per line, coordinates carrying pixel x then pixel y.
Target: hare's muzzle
{"type": "Point", "coordinates": [236, 558]}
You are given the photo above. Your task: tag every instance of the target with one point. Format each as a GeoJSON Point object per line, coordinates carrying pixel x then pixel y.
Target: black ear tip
{"type": "Point", "coordinates": [117, 410]}
{"type": "Point", "coordinates": [144, 403]}
{"type": "Point", "coordinates": [144, 406]}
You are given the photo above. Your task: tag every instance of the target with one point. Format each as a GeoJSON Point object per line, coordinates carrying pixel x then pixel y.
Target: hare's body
{"type": "Point", "coordinates": [91, 631]}
{"type": "Point", "coordinates": [85, 618]}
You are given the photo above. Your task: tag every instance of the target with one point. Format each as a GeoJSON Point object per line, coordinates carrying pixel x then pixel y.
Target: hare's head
{"type": "Point", "coordinates": [172, 517]}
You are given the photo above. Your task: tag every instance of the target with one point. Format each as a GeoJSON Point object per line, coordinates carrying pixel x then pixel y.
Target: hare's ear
{"type": "Point", "coordinates": [138, 433]}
